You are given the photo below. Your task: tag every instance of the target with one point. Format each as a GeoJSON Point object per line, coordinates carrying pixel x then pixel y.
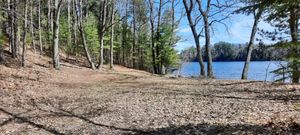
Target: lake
{"type": "Point", "coordinates": [259, 70]}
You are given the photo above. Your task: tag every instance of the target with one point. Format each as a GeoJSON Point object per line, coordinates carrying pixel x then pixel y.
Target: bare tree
{"type": "Point", "coordinates": [133, 47]}
{"type": "Point", "coordinates": [32, 26]}
{"type": "Point", "coordinates": [56, 16]}
{"type": "Point", "coordinates": [50, 20]}
{"type": "Point", "coordinates": [39, 27]}
{"type": "Point", "coordinates": [205, 16]}
{"type": "Point", "coordinates": [12, 13]}
{"type": "Point", "coordinates": [10, 23]}
{"type": "Point", "coordinates": [111, 64]}
{"type": "Point", "coordinates": [74, 27]}
{"type": "Point", "coordinates": [124, 36]}
{"type": "Point", "coordinates": [69, 41]}
{"type": "Point", "coordinates": [82, 34]}
{"type": "Point", "coordinates": [24, 35]}
{"type": "Point", "coordinates": [102, 27]}
{"type": "Point", "coordinates": [211, 10]}
{"type": "Point", "coordinates": [257, 14]}
{"type": "Point", "coordinates": [193, 24]}
{"type": "Point", "coordinates": [15, 28]}
{"type": "Point", "coordinates": [153, 43]}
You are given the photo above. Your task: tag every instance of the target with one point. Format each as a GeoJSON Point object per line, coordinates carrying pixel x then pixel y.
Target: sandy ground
{"type": "Point", "coordinates": [77, 100]}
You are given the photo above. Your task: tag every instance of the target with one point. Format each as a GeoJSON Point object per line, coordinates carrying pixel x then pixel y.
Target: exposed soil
{"type": "Point", "coordinates": [77, 100]}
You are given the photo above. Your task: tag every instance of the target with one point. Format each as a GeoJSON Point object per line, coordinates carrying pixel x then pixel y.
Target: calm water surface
{"type": "Point", "coordinates": [259, 71]}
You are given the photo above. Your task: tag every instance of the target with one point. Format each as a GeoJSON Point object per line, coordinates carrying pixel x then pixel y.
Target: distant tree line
{"type": "Point", "coordinates": [223, 51]}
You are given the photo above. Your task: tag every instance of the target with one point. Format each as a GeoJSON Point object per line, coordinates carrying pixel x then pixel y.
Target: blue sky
{"type": "Point", "coordinates": [239, 30]}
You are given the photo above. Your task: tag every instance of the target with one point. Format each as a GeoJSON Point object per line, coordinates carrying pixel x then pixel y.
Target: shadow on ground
{"type": "Point", "coordinates": [190, 129]}
{"type": "Point", "coordinates": [210, 129]}
{"type": "Point", "coordinates": [259, 97]}
{"type": "Point", "coordinates": [53, 110]}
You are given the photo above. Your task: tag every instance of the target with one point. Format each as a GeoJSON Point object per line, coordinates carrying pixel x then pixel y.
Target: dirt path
{"type": "Point", "coordinates": [77, 100]}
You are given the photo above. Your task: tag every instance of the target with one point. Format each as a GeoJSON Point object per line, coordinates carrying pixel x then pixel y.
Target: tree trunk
{"type": "Point", "coordinates": [293, 24]}
{"type": "Point", "coordinates": [56, 15]}
{"type": "Point", "coordinates": [131, 55]}
{"type": "Point", "coordinates": [31, 26]}
{"type": "Point", "coordinates": [210, 73]}
{"type": "Point", "coordinates": [153, 44]}
{"type": "Point", "coordinates": [75, 28]}
{"type": "Point", "coordinates": [12, 28]}
{"type": "Point", "coordinates": [15, 29]}
{"type": "Point", "coordinates": [2, 59]}
{"type": "Point", "coordinates": [111, 64]}
{"type": "Point", "coordinates": [158, 47]}
{"type": "Point", "coordinates": [50, 21]}
{"type": "Point", "coordinates": [250, 45]}
{"type": "Point", "coordinates": [205, 17]}
{"type": "Point", "coordinates": [81, 29]}
{"type": "Point", "coordinates": [40, 31]}
{"type": "Point", "coordinates": [101, 59]}
{"type": "Point", "coordinates": [196, 37]}
{"type": "Point", "coordinates": [102, 32]}
{"type": "Point", "coordinates": [124, 36]}
{"type": "Point", "coordinates": [69, 42]}
{"type": "Point", "coordinates": [9, 20]}
{"type": "Point", "coordinates": [17, 36]}
{"type": "Point", "coordinates": [134, 57]}
{"type": "Point", "coordinates": [24, 35]}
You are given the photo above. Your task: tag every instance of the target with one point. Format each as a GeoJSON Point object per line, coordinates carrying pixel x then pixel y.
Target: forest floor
{"type": "Point", "coordinates": [77, 100]}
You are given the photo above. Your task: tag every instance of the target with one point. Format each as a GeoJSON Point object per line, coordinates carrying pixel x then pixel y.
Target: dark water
{"type": "Point", "coordinates": [259, 71]}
